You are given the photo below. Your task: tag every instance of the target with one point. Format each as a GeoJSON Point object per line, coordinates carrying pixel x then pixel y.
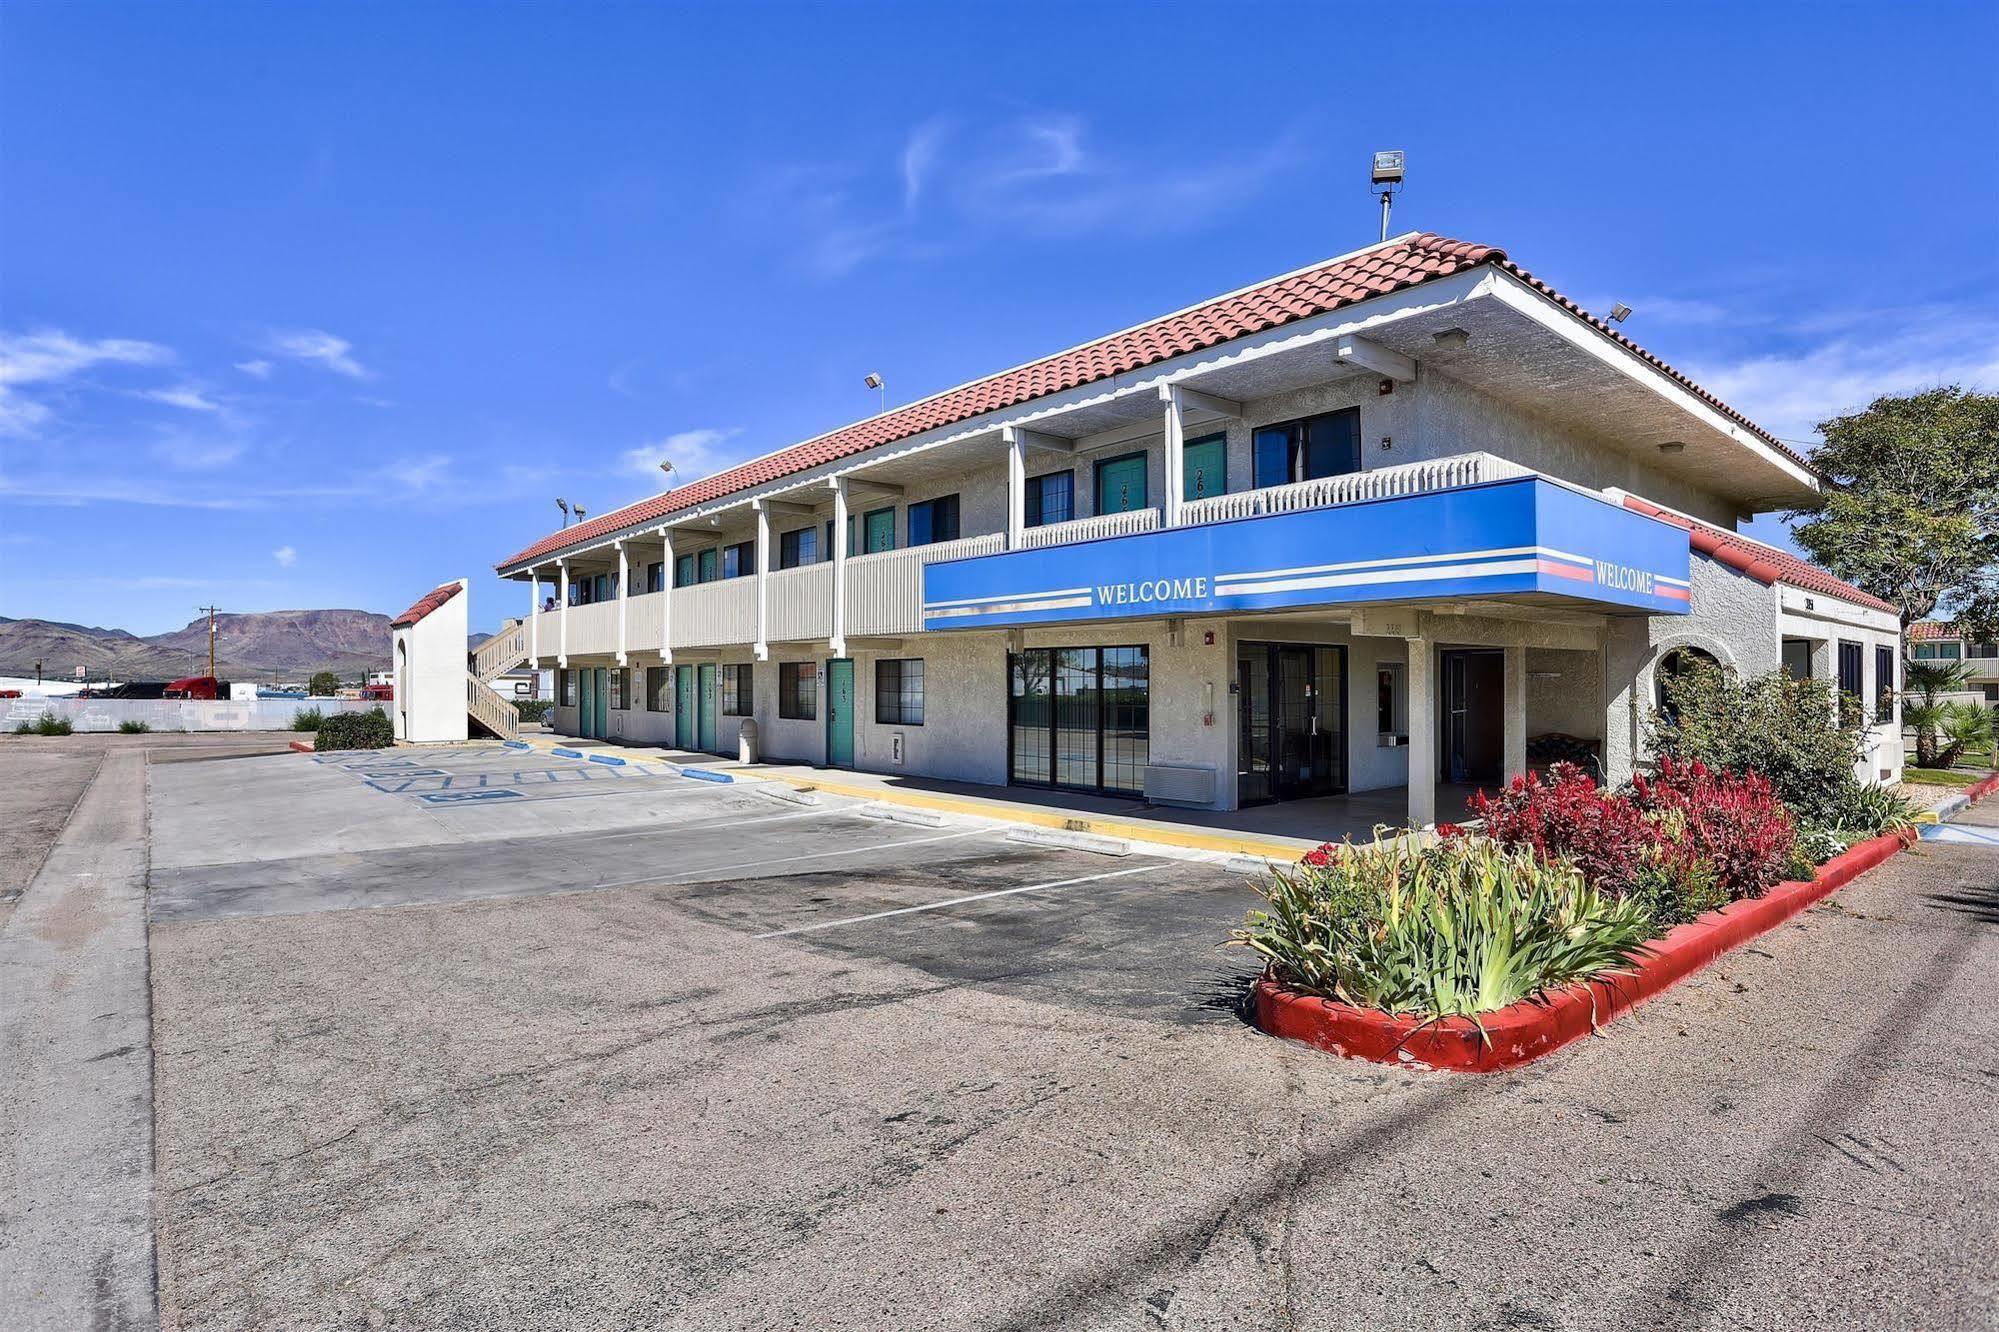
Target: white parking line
{"type": "Point", "coordinates": [957, 901]}
{"type": "Point", "coordinates": [700, 875]}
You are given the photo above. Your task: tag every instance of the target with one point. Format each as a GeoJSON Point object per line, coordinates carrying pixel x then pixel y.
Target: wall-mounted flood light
{"type": "Point", "coordinates": [1619, 312]}
{"type": "Point", "coordinates": [1387, 179]}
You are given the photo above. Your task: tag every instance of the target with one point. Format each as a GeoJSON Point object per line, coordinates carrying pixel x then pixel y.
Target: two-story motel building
{"type": "Point", "coordinates": [1403, 514]}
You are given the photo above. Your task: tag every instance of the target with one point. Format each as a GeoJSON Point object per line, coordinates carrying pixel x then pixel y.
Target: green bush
{"type": "Point", "coordinates": [1860, 811]}
{"type": "Point", "coordinates": [355, 730]}
{"type": "Point", "coordinates": [308, 719]}
{"type": "Point", "coordinates": [46, 724]}
{"type": "Point", "coordinates": [533, 709]}
{"type": "Point", "coordinates": [1772, 724]}
{"type": "Point", "coordinates": [1455, 929]}
{"type": "Point", "coordinates": [133, 726]}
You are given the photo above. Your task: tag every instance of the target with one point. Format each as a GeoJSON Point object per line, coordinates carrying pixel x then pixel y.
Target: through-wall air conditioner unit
{"type": "Point", "coordinates": [1171, 784]}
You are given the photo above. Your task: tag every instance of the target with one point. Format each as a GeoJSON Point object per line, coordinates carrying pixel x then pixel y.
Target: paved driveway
{"type": "Point", "coordinates": [417, 1066]}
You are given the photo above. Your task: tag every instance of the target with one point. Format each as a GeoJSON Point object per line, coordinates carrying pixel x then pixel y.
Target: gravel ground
{"type": "Point", "coordinates": [622, 1109]}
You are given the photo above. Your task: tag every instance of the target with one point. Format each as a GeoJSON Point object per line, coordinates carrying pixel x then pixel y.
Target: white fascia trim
{"type": "Point", "coordinates": [1142, 385]}
{"type": "Point", "coordinates": [1586, 337]}
{"type": "Point", "coordinates": [1825, 606]}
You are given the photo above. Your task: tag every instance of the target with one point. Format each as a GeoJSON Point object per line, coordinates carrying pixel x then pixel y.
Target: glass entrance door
{"type": "Point", "coordinates": [1080, 718]}
{"type": "Point", "coordinates": [1291, 718]}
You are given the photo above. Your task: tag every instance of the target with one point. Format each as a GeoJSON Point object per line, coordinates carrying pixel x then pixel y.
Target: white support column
{"type": "Point", "coordinates": [763, 579]}
{"type": "Point", "coordinates": [1422, 734]}
{"type": "Point", "coordinates": [562, 613]}
{"type": "Point", "coordinates": [666, 606]}
{"type": "Point", "coordinates": [1016, 486]}
{"type": "Point", "coordinates": [838, 644]}
{"type": "Point", "coordinates": [624, 595]}
{"type": "Point", "coordinates": [1514, 731]}
{"type": "Point", "coordinates": [1176, 453]}
{"type": "Point", "coordinates": [534, 620]}
{"type": "Point", "coordinates": [1825, 666]}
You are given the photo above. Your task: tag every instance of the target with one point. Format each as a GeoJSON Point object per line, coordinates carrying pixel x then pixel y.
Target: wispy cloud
{"type": "Point", "coordinates": [1790, 392]}
{"type": "Point", "coordinates": [197, 455]}
{"type": "Point", "coordinates": [318, 347]}
{"type": "Point", "coordinates": [419, 473]}
{"type": "Point", "coordinates": [693, 453]}
{"type": "Point", "coordinates": [185, 396]}
{"type": "Point", "coordinates": [286, 556]}
{"type": "Point", "coordinates": [257, 369]}
{"type": "Point", "coordinates": [50, 356]}
{"type": "Point", "coordinates": [952, 186]}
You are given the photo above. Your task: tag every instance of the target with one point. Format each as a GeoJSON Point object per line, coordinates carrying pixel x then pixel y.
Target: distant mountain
{"type": "Point", "coordinates": [292, 643]}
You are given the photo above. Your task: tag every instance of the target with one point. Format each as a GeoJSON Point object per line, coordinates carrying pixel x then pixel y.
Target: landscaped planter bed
{"type": "Point", "coordinates": [1527, 1030]}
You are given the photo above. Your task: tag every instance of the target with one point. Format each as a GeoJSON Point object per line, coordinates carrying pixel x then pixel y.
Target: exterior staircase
{"type": "Point", "coordinates": [487, 707]}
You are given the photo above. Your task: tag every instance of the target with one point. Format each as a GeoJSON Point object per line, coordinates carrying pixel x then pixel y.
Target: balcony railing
{"type": "Point", "coordinates": [1460, 469]}
{"type": "Point", "coordinates": [1090, 529]}
{"type": "Point", "coordinates": [800, 604]}
{"type": "Point", "coordinates": [885, 591]}
{"type": "Point", "coordinates": [715, 614]}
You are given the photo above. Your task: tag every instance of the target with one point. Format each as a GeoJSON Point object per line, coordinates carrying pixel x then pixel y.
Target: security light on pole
{"type": "Point", "coordinates": [1387, 180]}
{"type": "Point", "coordinates": [880, 385]}
{"type": "Point", "coordinates": [1619, 312]}
{"type": "Point", "coordinates": [563, 505]}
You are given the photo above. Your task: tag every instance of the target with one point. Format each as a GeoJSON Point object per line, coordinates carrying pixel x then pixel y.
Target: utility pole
{"type": "Point", "coordinates": [211, 639]}
{"type": "Point", "coordinates": [38, 670]}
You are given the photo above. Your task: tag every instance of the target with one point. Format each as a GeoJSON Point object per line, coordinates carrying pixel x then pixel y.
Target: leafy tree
{"type": "Point", "coordinates": [324, 684]}
{"type": "Point", "coordinates": [1912, 515]}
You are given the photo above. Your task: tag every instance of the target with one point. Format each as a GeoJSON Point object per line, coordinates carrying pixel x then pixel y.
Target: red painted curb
{"type": "Point", "coordinates": [302, 746]}
{"type": "Point", "coordinates": [1980, 789]}
{"type": "Point", "coordinates": [1535, 1027]}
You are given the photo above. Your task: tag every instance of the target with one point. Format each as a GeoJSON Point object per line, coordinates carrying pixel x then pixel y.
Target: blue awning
{"type": "Point", "coordinates": [1504, 538]}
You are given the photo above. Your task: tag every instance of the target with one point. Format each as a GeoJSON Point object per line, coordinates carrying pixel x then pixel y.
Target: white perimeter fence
{"type": "Point", "coordinates": [175, 714]}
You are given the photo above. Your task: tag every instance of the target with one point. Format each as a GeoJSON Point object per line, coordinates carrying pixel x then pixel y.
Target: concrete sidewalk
{"type": "Point", "coordinates": [76, 1106]}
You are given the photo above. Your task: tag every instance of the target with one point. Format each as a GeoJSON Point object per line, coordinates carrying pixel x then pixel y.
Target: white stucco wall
{"type": "Point", "coordinates": [428, 659]}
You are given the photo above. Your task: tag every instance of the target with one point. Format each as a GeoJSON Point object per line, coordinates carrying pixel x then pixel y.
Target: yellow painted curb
{"type": "Point", "coordinates": [1927, 816]}
{"type": "Point", "coordinates": [1137, 832]}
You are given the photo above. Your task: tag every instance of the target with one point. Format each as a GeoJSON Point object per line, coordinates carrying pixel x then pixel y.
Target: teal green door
{"type": "Point", "coordinates": [685, 710]}
{"type": "Point", "coordinates": [1207, 467]}
{"type": "Point", "coordinates": [711, 690]}
{"type": "Point", "coordinates": [840, 713]}
{"type": "Point", "coordinates": [878, 531]}
{"type": "Point", "coordinates": [603, 679]}
{"type": "Point", "coordinates": [1121, 484]}
{"type": "Point", "coordinates": [586, 700]}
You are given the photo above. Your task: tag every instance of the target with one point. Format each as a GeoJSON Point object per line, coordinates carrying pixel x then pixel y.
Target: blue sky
{"type": "Point", "coordinates": [320, 305]}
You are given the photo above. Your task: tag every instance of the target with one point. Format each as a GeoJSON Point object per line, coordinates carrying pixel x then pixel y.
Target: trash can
{"type": "Point", "coordinates": [746, 741]}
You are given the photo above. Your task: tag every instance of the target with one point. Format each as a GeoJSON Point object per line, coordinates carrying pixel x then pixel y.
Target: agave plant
{"type": "Point", "coordinates": [1456, 929]}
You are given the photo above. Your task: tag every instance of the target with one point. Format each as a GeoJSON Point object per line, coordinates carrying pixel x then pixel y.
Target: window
{"type": "Point", "coordinates": [877, 532]}
{"type": "Point", "coordinates": [933, 520]}
{"type": "Point", "coordinates": [739, 560]}
{"type": "Point", "coordinates": [798, 548]}
{"type": "Point", "coordinates": [656, 576]}
{"type": "Point", "coordinates": [1795, 654]}
{"type": "Point", "coordinates": [565, 688]}
{"type": "Point", "coordinates": [1079, 718]}
{"type": "Point", "coordinates": [659, 689]}
{"type": "Point", "coordinates": [1884, 684]}
{"type": "Point", "coordinates": [620, 678]}
{"type": "Point", "coordinates": [1051, 498]}
{"type": "Point", "coordinates": [798, 690]}
{"type": "Point", "coordinates": [1204, 465]}
{"type": "Point", "coordinates": [1937, 651]}
{"type": "Point", "coordinates": [1391, 703]}
{"type": "Point", "coordinates": [899, 692]}
{"type": "Point", "coordinates": [1306, 450]}
{"type": "Point", "coordinates": [1681, 663]}
{"type": "Point", "coordinates": [1849, 670]}
{"type": "Point", "coordinates": [738, 689]}
{"type": "Point", "coordinates": [1121, 484]}
{"type": "Point", "coordinates": [684, 571]}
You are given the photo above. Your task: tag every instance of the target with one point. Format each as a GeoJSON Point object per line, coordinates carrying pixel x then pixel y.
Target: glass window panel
{"type": "Point", "coordinates": [798, 690]}
{"type": "Point", "coordinates": [1030, 716]}
{"type": "Point", "coordinates": [1272, 447]}
{"type": "Point", "coordinates": [1051, 499]}
{"type": "Point", "coordinates": [899, 692]}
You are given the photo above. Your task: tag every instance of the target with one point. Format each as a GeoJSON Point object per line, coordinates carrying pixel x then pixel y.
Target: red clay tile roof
{"type": "Point", "coordinates": [425, 604]}
{"type": "Point", "coordinates": [1392, 266]}
{"type": "Point", "coordinates": [1922, 631]}
{"type": "Point", "coordinates": [1766, 564]}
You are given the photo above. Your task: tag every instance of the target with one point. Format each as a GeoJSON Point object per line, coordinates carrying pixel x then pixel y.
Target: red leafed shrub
{"type": "Point", "coordinates": [1734, 823]}
{"type": "Point", "coordinates": [1567, 815]}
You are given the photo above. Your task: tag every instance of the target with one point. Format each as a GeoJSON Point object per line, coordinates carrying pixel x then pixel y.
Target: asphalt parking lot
{"type": "Point", "coordinates": [633, 1051]}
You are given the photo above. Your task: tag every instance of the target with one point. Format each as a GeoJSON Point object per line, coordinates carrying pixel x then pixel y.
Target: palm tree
{"type": "Point", "coordinates": [1923, 681]}
{"type": "Point", "coordinates": [1966, 725]}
